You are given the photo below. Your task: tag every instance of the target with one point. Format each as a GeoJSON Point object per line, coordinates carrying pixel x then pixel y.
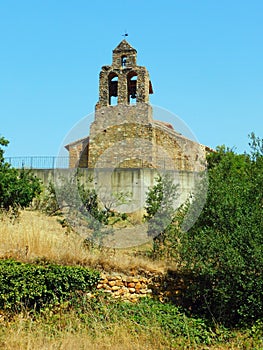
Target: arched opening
{"type": "Point", "coordinates": [124, 61]}
{"type": "Point", "coordinates": [113, 89]}
{"type": "Point", "coordinates": [132, 87]}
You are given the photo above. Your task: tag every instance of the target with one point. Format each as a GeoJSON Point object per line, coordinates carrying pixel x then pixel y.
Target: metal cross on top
{"type": "Point", "coordinates": [125, 34]}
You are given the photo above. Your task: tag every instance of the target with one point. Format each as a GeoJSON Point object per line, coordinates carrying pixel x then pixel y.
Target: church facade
{"type": "Point", "coordinates": [125, 141]}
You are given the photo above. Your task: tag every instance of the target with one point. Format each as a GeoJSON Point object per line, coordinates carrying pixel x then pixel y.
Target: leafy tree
{"type": "Point", "coordinates": [223, 251]}
{"type": "Point", "coordinates": [17, 187]}
{"type": "Point", "coordinates": [3, 142]}
{"type": "Point", "coordinates": [160, 211]}
{"type": "Point", "coordinates": [78, 202]}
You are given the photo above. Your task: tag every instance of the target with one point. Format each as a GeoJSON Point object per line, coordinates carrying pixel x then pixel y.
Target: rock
{"type": "Point", "coordinates": [142, 295]}
{"type": "Point", "coordinates": [133, 296]}
{"type": "Point", "coordinates": [132, 290]}
{"type": "Point", "coordinates": [138, 285]}
{"type": "Point", "coordinates": [131, 285]}
{"type": "Point", "coordinates": [114, 288]}
{"type": "Point", "coordinates": [112, 278]}
{"type": "Point", "coordinates": [128, 288]}
{"type": "Point", "coordinates": [143, 291]}
{"type": "Point", "coordinates": [134, 300]}
{"type": "Point", "coordinates": [106, 287]}
{"type": "Point", "coordinates": [104, 281]}
{"type": "Point", "coordinates": [119, 283]}
{"type": "Point", "coordinates": [118, 292]}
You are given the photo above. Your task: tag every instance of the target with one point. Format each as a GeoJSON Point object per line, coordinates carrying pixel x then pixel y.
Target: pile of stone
{"type": "Point", "coordinates": [125, 288]}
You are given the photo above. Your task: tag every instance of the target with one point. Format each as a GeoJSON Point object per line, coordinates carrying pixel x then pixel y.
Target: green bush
{"type": "Point", "coordinates": [17, 187]}
{"type": "Point", "coordinates": [34, 286]}
{"type": "Point", "coordinates": [170, 319]}
{"type": "Point", "coordinates": [145, 314]}
{"type": "Point", "coordinates": [75, 198]}
{"type": "Point", "coordinates": [223, 251]}
{"type": "Point", "coordinates": [160, 212]}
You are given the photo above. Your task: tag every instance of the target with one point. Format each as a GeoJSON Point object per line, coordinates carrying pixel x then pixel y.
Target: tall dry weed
{"type": "Point", "coordinates": [37, 236]}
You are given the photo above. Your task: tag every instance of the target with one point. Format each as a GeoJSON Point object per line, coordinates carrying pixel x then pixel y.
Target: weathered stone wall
{"type": "Point", "coordinates": [140, 113]}
{"type": "Point", "coordinates": [182, 154]}
{"type": "Point", "coordinates": [123, 85]}
{"type": "Point", "coordinates": [120, 133]}
{"type": "Point", "coordinates": [126, 148]}
{"type": "Point", "coordinates": [125, 135]}
{"type": "Point", "coordinates": [124, 49]}
{"type": "Point", "coordinates": [122, 140]}
{"type": "Point", "coordinates": [125, 287]}
{"type": "Point", "coordinates": [164, 286]}
{"type": "Point", "coordinates": [78, 153]}
{"type": "Point", "coordinates": [123, 73]}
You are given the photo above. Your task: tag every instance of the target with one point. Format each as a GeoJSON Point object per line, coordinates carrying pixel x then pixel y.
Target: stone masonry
{"type": "Point", "coordinates": [124, 134]}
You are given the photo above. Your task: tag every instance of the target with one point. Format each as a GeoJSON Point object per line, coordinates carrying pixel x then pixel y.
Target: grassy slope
{"type": "Point", "coordinates": [37, 236]}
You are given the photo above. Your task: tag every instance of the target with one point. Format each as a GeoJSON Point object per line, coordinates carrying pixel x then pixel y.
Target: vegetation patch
{"type": "Point", "coordinates": [34, 286]}
{"type": "Point", "coordinates": [17, 187]}
{"type": "Point", "coordinates": [212, 294]}
{"type": "Point", "coordinates": [222, 252]}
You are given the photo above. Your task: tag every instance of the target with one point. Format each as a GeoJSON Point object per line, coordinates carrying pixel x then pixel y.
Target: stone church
{"type": "Point", "coordinates": [126, 147]}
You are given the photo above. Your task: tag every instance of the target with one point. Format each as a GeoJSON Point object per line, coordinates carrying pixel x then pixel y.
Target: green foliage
{"type": "Point", "coordinates": [146, 314]}
{"type": "Point", "coordinates": [147, 324]}
{"type": "Point", "coordinates": [17, 187]}
{"type": "Point", "coordinates": [35, 286]}
{"type": "Point", "coordinates": [223, 250]}
{"type": "Point", "coordinates": [92, 205]}
{"type": "Point", "coordinates": [47, 201]}
{"type": "Point", "coordinates": [160, 211]}
{"type": "Point", "coordinates": [3, 142]}
{"type": "Point", "coordinates": [170, 319]}
{"type": "Point", "coordinates": [78, 203]}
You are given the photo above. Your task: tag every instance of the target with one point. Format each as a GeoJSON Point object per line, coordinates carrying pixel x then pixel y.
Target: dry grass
{"type": "Point", "coordinates": [67, 333]}
{"type": "Point", "coordinates": [34, 236]}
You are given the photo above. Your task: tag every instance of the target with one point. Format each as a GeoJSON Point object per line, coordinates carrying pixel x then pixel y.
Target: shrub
{"type": "Point", "coordinates": [84, 211]}
{"type": "Point", "coordinates": [35, 286]}
{"type": "Point", "coordinates": [160, 211]}
{"type": "Point", "coordinates": [223, 251]}
{"type": "Point", "coordinates": [146, 314]}
{"type": "Point", "coordinates": [17, 187]}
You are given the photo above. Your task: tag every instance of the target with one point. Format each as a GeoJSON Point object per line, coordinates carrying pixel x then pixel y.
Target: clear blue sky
{"type": "Point", "coordinates": [205, 59]}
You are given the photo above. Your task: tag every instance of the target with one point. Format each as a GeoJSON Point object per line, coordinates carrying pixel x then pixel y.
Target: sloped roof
{"type": "Point", "coordinates": [77, 142]}
{"type": "Point", "coordinates": [124, 46]}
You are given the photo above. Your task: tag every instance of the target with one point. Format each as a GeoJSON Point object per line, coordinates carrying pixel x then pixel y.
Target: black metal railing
{"type": "Point", "coordinates": [38, 162]}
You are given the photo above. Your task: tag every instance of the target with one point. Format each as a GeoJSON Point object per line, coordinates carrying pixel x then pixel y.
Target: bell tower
{"type": "Point", "coordinates": [126, 148]}
{"type": "Point", "coordinates": [123, 109]}
{"type": "Point", "coordinates": [123, 82]}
